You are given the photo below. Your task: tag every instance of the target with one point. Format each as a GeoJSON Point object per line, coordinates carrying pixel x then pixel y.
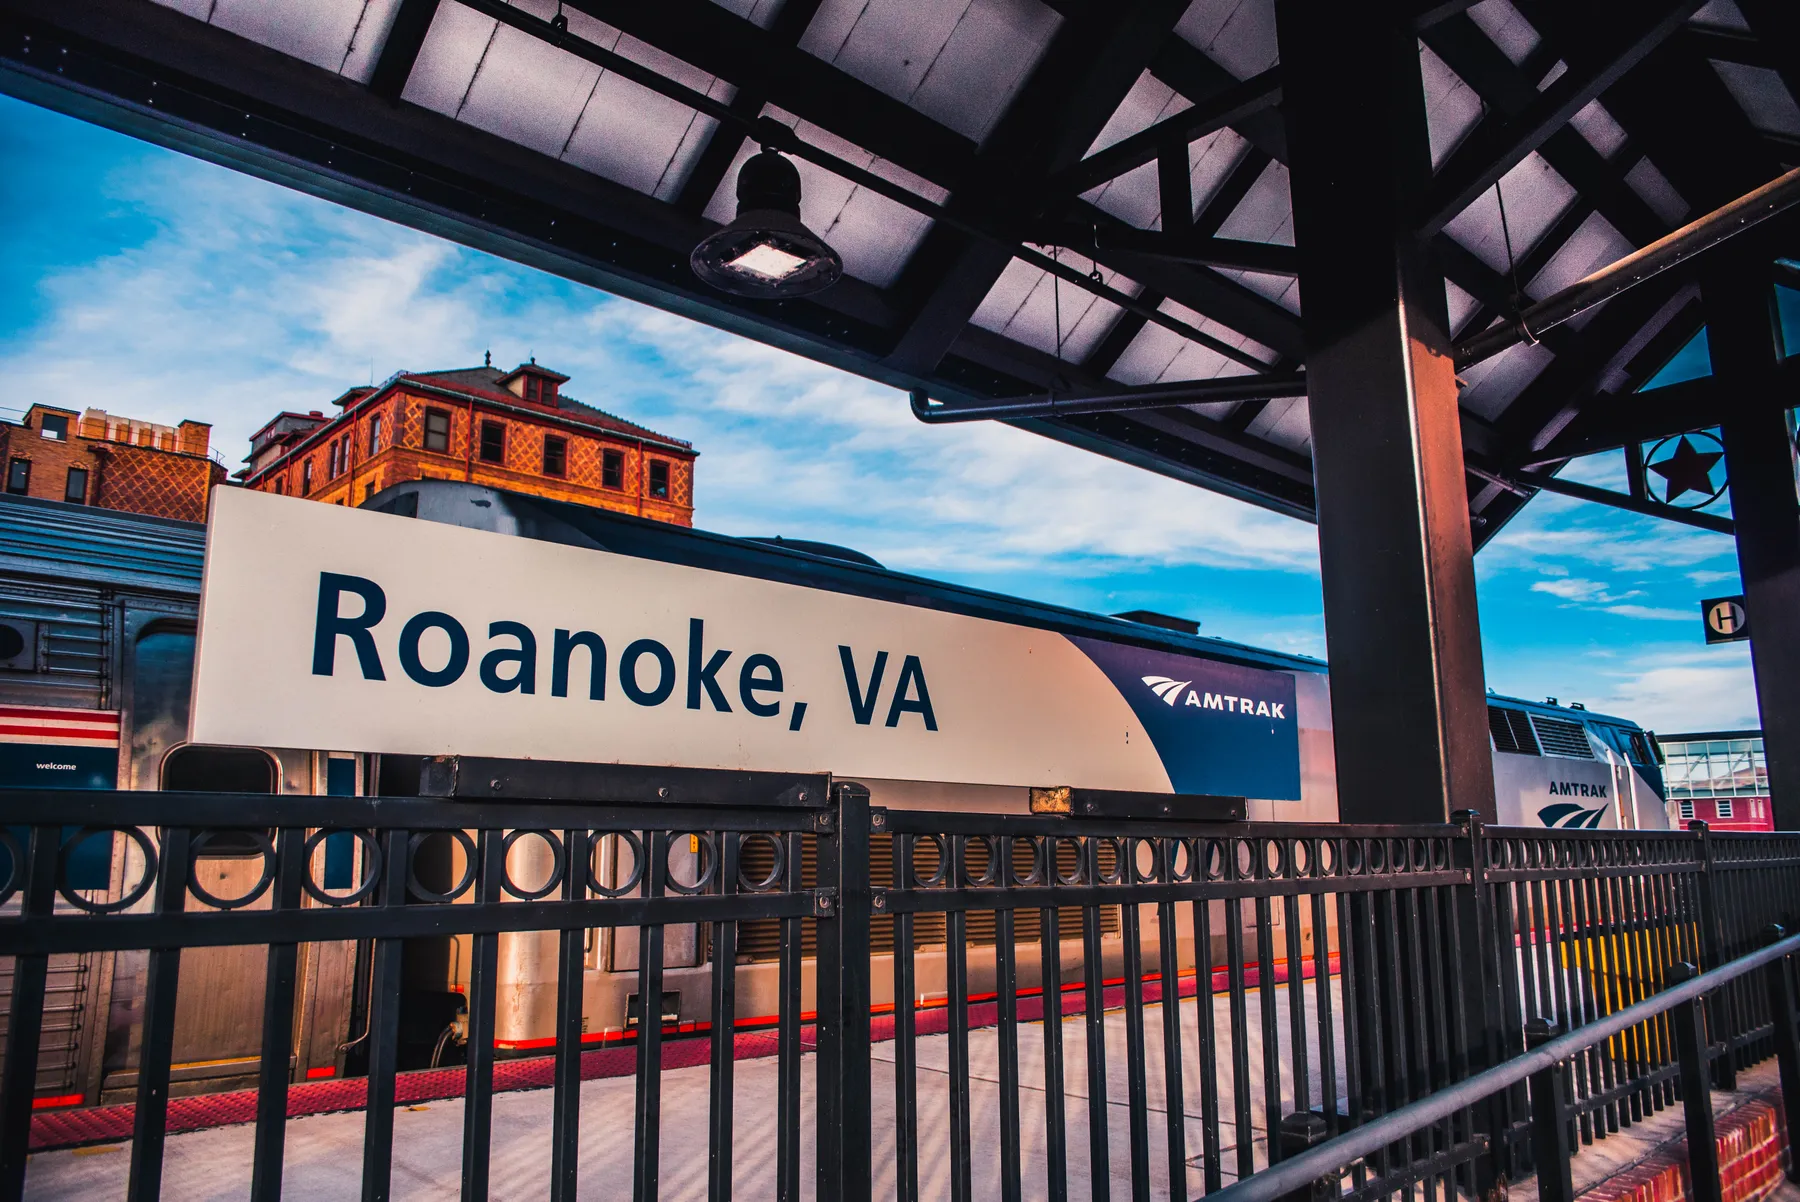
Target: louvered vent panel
{"type": "Point", "coordinates": [1560, 737]}
{"type": "Point", "coordinates": [1512, 731]}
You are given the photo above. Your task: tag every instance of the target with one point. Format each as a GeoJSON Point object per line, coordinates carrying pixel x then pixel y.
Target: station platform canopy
{"type": "Point", "coordinates": [1080, 209]}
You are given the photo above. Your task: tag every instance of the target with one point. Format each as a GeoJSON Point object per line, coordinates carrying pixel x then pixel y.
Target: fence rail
{"type": "Point", "coordinates": [1076, 1008]}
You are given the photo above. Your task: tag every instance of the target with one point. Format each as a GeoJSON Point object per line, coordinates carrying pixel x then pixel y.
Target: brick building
{"type": "Point", "coordinates": [95, 458]}
{"type": "Point", "coordinates": [507, 429]}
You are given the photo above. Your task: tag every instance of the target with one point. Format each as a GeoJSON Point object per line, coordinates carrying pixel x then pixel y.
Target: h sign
{"type": "Point", "coordinates": [1727, 621]}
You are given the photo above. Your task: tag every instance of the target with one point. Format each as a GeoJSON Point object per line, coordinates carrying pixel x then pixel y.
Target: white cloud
{"type": "Point", "coordinates": [1650, 611]}
{"type": "Point", "coordinates": [1684, 689]}
{"type": "Point", "coordinates": [1570, 588]}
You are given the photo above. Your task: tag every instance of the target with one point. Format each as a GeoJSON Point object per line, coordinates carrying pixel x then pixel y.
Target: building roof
{"type": "Point", "coordinates": [945, 144]}
{"type": "Point", "coordinates": [487, 383]}
{"type": "Point", "coordinates": [480, 384]}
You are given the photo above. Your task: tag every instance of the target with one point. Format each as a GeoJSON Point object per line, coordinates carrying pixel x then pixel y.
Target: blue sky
{"type": "Point", "coordinates": [150, 284]}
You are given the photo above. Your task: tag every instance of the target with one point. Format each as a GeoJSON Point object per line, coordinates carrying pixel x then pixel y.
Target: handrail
{"type": "Point", "coordinates": [1335, 1154]}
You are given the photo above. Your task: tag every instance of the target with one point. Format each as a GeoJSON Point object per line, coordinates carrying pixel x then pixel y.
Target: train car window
{"type": "Point", "coordinates": [1512, 731]}
{"type": "Point", "coordinates": [1559, 736]}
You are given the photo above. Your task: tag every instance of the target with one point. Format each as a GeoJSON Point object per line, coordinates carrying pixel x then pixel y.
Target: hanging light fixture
{"type": "Point", "coordinates": [766, 252]}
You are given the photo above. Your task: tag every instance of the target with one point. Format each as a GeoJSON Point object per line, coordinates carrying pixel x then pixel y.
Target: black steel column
{"type": "Point", "coordinates": [1741, 333]}
{"type": "Point", "coordinates": [1407, 692]}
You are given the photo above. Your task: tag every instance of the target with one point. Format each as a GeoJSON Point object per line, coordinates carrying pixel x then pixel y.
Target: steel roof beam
{"type": "Point", "coordinates": [406, 37]}
{"type": "Point", "coordinates": [1673, 106]}
{"type": "Point", "coordinates": [1230, 107]}
{"type": "Point", "coordinates": [1497, 145]}
{"type": "Point", "coordinates": [1190, 72]}
{"type": "Point", "coordinates": [1115, 399]}
{"type": "Point", "coordinates": [789, 26]}
{"type": "Point", "coordinates": [1218, 208]}
{"type": "Point", "coordinates": [1466, 50]}
{"type": "Point", "coordinates": [1777, 24]}
{"type": "Point", "coordinates": [1551, 402]}
{"type": "Point", "coordinates": [721, 43]}
{"type": "Point", "coordinates": [1090, 66]}
{"type": "Point", "coordinates": [1267, 258]}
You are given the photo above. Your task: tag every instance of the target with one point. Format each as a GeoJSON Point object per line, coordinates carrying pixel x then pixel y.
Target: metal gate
{"type": "Point", "coordinates": [1003, 1006]}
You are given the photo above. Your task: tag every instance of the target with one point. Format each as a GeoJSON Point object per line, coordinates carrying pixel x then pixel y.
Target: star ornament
{"type": "Point", "coordinates": [1687, 470]}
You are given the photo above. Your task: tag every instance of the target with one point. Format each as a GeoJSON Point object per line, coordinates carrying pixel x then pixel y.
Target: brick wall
{"type": "Point", "coordinates": [137, 479]}
{"type": "Point", "coordinates": [143, 480]}
{"type": "Point", "coordinates": [403, 457]}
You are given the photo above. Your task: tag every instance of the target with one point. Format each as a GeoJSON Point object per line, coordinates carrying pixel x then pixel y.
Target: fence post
{"type": "Point", "coordinates": [1696, 1093]}
{"type": "Point", "coordinates": [1298, 1132]}
{"type": "Point", "coordinates": [1480, 1005]}
{"type": "Point", "coordinates": [1787, 1048]}
{"type": "Point", "coordinates": [844, 1155]}
{"type": "Point", "coordinates": [1712, 954]}
{"type": "Point", "coordinates": [1549, 1128]}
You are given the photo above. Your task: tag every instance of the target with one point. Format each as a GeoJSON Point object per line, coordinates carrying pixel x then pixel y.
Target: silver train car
{"type": "Point", "coordinates": [97, 629]}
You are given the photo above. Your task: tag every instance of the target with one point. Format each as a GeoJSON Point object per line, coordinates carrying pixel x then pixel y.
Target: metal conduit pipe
{"type": "Point", "coordinates": [1699, 235]}
{"type": "Point", "coordinates": [1153, 396]}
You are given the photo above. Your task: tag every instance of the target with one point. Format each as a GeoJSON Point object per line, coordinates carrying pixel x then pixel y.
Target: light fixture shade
{"type": "Point", "coordinates": [766, 251]}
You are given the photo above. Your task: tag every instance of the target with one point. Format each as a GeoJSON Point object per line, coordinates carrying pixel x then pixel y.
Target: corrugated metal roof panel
{"type": "Point", "coordinates": [77, 542]}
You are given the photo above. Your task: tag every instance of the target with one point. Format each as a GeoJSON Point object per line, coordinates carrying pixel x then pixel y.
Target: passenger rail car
{"type": "Point", "coordinates": [97, 632]}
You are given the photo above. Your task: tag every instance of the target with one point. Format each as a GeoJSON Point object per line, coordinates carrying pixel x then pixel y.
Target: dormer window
{"type": "Point", "coordinates": [540, 389]}
{"type": "Point", "coordinates": [54, 426]}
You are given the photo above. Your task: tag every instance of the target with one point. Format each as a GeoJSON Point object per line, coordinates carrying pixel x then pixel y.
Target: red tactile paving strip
{"type": "Point", "coordinates": [110, 1124]}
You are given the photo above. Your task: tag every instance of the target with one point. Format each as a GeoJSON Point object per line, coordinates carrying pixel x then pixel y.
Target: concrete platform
{"type": "Point", "coordinates": [324, 1151]}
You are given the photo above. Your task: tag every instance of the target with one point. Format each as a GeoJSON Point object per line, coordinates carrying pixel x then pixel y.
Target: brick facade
{"type": "Point", "coordinates": [117, 463]}
{"type": "Point", "coordinates": [381, 438]}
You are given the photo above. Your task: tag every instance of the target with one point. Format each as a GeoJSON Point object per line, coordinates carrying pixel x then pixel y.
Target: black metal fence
{"type": "Point", "coordinates": [1061, 1008]}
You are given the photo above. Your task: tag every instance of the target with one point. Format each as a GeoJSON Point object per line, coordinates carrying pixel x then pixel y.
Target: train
{"type": "Point", "coordinates": [99, 612]}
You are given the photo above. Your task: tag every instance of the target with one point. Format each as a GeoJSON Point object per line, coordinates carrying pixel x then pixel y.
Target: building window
{"type": "Point", "coordinates": [18, 476]}
{"type": "Point", "coordinates": [55, 426]}
{"type": "Point", "coordinates": [331, 460]}
{"type": "Point", "coordinates": [1686, 809]}
{"type": "Point", "coordinates": [437, 430]}
{"type": "Point", "coordinates": [368, 491]}
{"type": "Point", "coordinates": [612, 469]}
{"type": "Point", "coordinates": [280, 486]}
{"type": "Point", "coordinates": [659, 479]}
{"type": "Point", "coordinates": [75, 490]}
{"type": "Point", "coordinates": [493, 442]}
{"type": "Point", "coordinates": [346, 445]}
{"type": "Point", "coordinates": [1723, 805]}
{"type": "Point", "coordinates": [531, 388]}
{"type": "Point", "coordinates": [375, 435]}
{"type": "Point", "coordinates": [306, 478]}
{"type": "Point", "coordinates": [556, 456]}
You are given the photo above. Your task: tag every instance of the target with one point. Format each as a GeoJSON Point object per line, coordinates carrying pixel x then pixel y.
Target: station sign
{"type": "Point", "coordinates": [1726, 618]}
{"type": "Point", "coordinates": [341, 629]}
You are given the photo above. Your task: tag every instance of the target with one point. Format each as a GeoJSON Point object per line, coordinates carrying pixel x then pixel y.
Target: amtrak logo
{"type": "Point", "coordinates": [1571, 817]}
{"type": "Point", "coordinates": [1170, 691]}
